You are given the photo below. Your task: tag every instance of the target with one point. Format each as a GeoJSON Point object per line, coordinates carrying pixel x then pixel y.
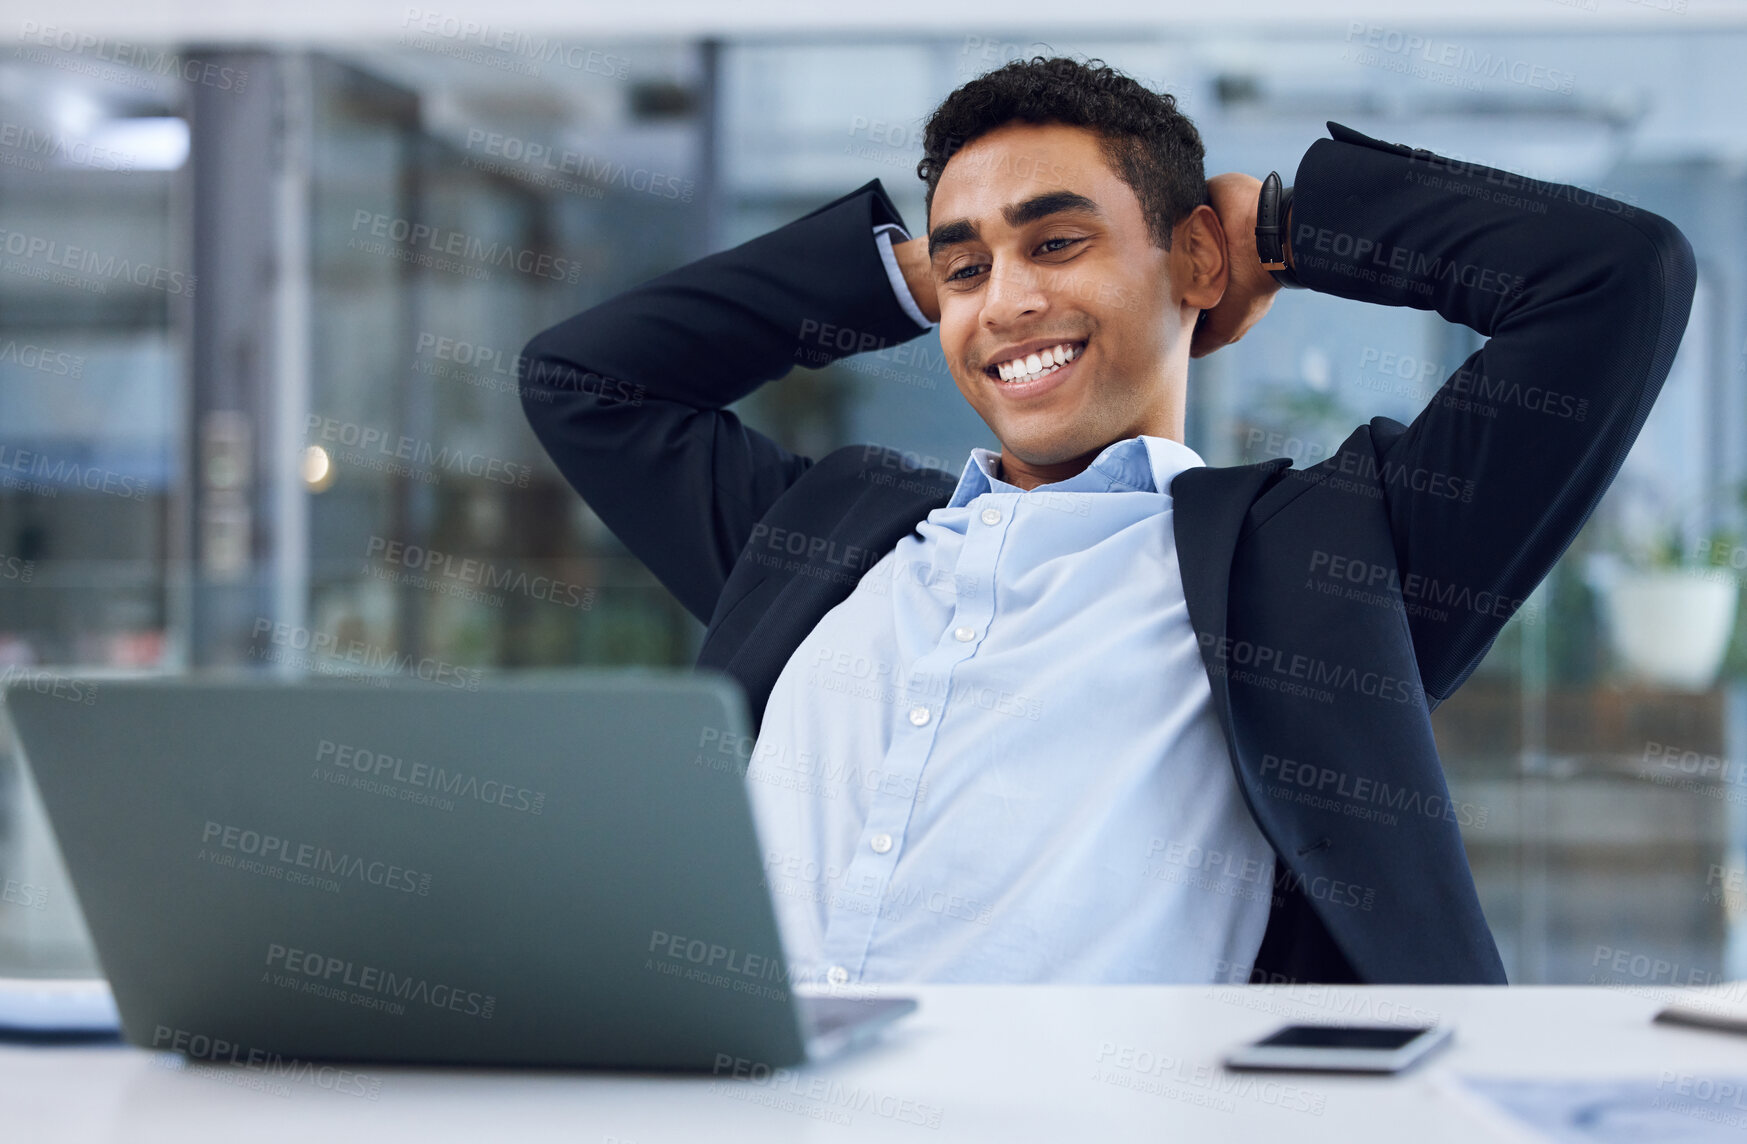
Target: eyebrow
{"type": "Point", "coordinates": [1017, 214]}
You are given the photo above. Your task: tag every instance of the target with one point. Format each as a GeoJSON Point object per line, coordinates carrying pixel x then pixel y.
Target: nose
{"type": "Point", "coordinates": [1013, 293]}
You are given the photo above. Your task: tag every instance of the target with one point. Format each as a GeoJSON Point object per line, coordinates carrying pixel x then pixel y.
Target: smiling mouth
{"type": "Point", "coordinates": [1034, 366]}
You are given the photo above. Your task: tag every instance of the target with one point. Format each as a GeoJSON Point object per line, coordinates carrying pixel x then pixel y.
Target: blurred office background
{"type": "Point", "coordinates": [261, 298]}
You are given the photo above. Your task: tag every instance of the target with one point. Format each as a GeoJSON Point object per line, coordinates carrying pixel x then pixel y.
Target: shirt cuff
{"type": "Point", "coordinates": [883, 239]}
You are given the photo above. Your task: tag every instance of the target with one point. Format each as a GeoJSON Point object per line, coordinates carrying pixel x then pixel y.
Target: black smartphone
{"type": "Point", "coordinates": [1341, 1048]}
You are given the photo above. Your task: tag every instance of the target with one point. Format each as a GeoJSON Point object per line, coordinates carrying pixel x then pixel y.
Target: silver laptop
{"type": "Point", "coordinates": [536, 871]}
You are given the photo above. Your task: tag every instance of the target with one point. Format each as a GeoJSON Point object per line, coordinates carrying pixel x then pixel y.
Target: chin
{"type": "Point", "coordinates": [1048, 438]}
{"type": "Point", "coordinates": [1047, 451]}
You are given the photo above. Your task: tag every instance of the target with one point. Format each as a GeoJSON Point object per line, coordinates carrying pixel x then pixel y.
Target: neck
{"type": "Point", "coordinates": [1027, 476]}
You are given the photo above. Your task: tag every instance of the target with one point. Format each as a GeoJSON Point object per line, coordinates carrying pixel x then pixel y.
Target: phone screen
{"type": "Point", "coordinates": [1340, 1037]}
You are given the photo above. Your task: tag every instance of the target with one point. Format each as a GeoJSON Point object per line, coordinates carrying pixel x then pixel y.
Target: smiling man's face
{"type": "Point", "coordinates": [1037, 244]}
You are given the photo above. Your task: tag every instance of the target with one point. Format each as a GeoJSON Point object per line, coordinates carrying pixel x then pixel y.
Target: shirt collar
{"type": "Point", "coordinates": [1138, 464]}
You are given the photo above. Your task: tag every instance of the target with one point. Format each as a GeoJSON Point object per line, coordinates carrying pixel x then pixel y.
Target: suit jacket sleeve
{"type": "Point", "coordinates": [627, 397]}
{"type": "Point", "coordinates": [1583, 300]}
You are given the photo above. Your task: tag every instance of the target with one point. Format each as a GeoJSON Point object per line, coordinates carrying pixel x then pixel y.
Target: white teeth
{"type": "Point", "coordinates": [1035, 365]}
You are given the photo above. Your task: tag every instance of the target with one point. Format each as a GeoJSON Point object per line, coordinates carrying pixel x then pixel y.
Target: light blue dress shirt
{"type": "Point", "coordinates": [997, 759]}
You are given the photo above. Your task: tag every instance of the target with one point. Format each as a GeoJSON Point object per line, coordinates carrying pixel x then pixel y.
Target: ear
{"type": "Point", "coordinates": [1199, 267]}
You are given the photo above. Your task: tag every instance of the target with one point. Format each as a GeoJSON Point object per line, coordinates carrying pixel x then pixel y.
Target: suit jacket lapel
{"type": "Point", "coordinates": [794, 602]}
{"type": "Point", "coordinates": [1208, 507]}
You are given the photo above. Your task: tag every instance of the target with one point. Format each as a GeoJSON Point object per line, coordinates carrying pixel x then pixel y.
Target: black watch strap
{"type": "Point", "coordinates": [1272, 205]}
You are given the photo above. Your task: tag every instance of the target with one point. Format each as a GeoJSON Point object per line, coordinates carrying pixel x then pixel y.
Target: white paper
{"type": "Point", "coordinates": [1687, 1109]}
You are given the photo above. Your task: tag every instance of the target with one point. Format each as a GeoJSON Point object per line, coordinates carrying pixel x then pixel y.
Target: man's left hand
{"type": "Point", "coordinates": [1249, 289]}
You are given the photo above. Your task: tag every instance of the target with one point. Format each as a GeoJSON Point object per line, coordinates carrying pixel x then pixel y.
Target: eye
{"type": "Point", "coordinates": [961, 275]}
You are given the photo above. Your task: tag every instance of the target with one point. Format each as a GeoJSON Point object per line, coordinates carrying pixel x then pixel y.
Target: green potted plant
{"type": "Point", "coordinates": [1670, 596]}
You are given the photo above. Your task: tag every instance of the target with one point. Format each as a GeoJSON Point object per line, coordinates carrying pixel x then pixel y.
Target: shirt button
{"type": "Point", "coordinates": [964, 635]}
{"type": "Point", "coordinates": [837, 975]}
{"type": "Point", "coordinates": [919, 716]}
{"type": "Point", "coordinates": [991, 516]}
{"type": "Point", "coordinates": [880, 843]}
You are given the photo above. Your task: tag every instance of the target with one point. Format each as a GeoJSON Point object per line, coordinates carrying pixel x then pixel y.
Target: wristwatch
{"type": "Point", "coordinates": [1272, 207]}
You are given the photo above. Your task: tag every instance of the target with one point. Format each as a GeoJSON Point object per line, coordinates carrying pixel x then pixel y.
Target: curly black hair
{"type": "Point", "coordinates": [1149, 144]}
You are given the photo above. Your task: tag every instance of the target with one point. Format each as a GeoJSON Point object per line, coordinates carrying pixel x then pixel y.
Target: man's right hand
{"type": "Point", "coordinates": [918, 271]}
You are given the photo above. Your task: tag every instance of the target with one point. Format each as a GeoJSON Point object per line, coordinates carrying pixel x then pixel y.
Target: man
{"type": "Point", "coordinates": [1091, 710]}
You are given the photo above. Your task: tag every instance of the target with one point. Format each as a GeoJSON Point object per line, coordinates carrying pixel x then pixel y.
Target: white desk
{"type": "Point", "coordinates": [997, 1063]}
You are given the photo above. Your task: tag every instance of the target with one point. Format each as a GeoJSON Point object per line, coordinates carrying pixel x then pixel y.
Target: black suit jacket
{"type": "Point", "coordinates": [1336, 606]}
